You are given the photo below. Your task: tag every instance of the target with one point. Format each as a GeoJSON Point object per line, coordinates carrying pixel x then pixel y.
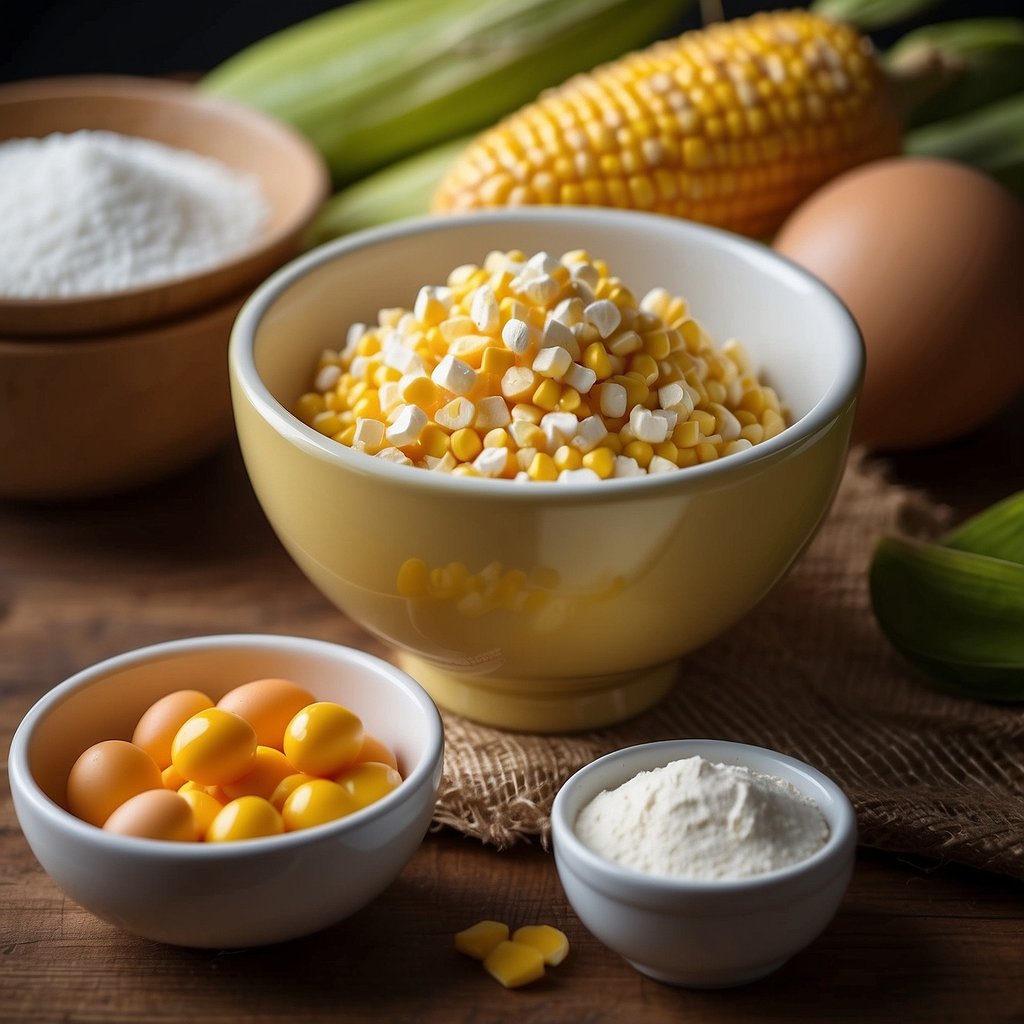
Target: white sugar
{"type": "Point", "coordinates": [94, 212]}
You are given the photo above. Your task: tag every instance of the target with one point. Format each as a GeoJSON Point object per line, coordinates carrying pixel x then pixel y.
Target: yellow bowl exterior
{"type": "Point", "coordinates": [535, 607]}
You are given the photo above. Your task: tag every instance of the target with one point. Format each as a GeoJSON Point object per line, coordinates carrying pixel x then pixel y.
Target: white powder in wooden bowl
{"type": "Point", "coordinates": [695, 819]}
{"type": "Point", "coordinates": [94, 212]}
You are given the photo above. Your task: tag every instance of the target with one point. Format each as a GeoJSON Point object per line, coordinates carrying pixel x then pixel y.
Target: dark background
{"type": "Point", "coordinates": [149, 37]}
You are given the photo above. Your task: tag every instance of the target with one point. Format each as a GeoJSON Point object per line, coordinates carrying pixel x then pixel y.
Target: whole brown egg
{"type": "Point", "coordinates": [928, 255]}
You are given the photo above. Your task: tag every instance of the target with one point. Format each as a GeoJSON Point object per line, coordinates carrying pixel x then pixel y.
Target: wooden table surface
{"type": "Point", "coordinates": [912, 942]}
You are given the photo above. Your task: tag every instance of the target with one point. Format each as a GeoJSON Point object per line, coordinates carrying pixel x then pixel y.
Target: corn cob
{"type": "Point", "coordinates": [376, 80]}
{"type": "Point", "coordinates": [732, 125]}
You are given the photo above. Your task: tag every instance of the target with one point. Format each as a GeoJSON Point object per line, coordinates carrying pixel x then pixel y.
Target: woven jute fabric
{"type": "Point", "coordinates": [809, 673]}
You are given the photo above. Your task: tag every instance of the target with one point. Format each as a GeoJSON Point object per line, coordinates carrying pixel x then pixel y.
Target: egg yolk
{"type": "Point", "coordinates": [205, 808]}
{"type": "Point", "coordinates": [155, 730]}
{"type": "Point", "coordinates": [248, 817]}
{"type": "Point", "coordinates": [285, 787]}
{"type": "Point", "coordinates": [368, 781]}
{"type": "Point", "coordinates": [213, 747]}
{"type": "Point", "coordinates": [315, 803]}
{"type": "Point", "coordinates": [323, 738]}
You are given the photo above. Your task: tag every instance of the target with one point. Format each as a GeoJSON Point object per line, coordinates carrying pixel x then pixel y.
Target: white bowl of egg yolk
{"type": "Point", "coordinates": [546, 605]}
{"type": "Point", "coordinates": [257, 884]}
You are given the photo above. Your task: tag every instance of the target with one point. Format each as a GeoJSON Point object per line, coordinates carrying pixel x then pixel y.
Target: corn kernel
{"type": "Point", "coordinates": [466, 444]}
{"type": "Point", "coordinates": [550, 942]}
{"type": "Point", "coordinates": [481, 938]}
{"type": "Point", "coordinates": [514, 964]}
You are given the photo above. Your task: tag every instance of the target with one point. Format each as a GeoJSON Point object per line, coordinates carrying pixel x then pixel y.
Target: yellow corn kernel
{"type": "Point", "coordinates": [327, 422]}
{"type": "Point", "coordinates": [434, 441]}
{"type": "Point", "coordinates": [413, 578]}
{"type": "Point", "coordinates": [601, 461]}
{"type": "Point", "coordinates": [497, 360]}
{"type": "Point", "coordinates": [514, 964]}
{"type": "Point", "coordinates": [542, 467]}
{"type": "Point", "coordinates": [641, 451]}
{"type": "Point", "coordinates": [550, 942]}
{"type": "Point", "coordinates": [705, 420]}
{"type": "Point", "coordinates": [466, 444]}
{"type": "Point", "coordinates": [481, 938]}
{"type": "Point", "coordinates": [547, 395]}
{"type": "Point", "coordinates": [309, 406]}
{"type": "Point", "coordinates": [595, 357]}
{"type": "Point", "coordinates": [706, 452]}
{"type": "Point", "coordinates": [567, 457]}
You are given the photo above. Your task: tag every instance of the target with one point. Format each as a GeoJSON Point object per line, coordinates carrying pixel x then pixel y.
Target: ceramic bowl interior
{"type": "Point", "coordinates": [289, 171]}
{"type": "Point", "coordinates": [623, 577]}
{"type": "Point", "coordinates": [244, 893]}
{"type": "Point", "coordinates": [703, 934]}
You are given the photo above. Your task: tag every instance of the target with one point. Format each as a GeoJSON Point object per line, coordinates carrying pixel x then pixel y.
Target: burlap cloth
{"type": "Point", "coordinates": [808, 673]}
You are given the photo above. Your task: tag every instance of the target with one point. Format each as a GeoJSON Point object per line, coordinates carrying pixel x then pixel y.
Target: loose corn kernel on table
{"type": "Point", "coordinates": [194, 555]}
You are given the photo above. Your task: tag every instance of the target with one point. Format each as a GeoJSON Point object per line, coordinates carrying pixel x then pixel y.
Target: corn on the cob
{"type": "Point", "coordinates": [373, 81]}
{"type": "Point", "coordinates": [733, 125]}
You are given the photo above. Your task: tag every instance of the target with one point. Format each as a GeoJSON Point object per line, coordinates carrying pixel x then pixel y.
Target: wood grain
{"type": "Point", "coordinates": [193, 555]}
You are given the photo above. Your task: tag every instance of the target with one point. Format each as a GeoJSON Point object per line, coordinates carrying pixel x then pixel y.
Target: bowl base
{"type": "Point", "coordinates": [543, 705]}
{"type": "Point", "coordinates": [710, 979]}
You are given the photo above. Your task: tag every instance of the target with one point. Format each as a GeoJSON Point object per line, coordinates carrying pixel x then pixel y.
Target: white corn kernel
{"type": "Point", "coordinates": [516, 335]}
{"type": "Point", "coordinates": [646, 426]}
{"type": "Point", "coordinates": [577, 476]}
{"type": "Point", "coordinates": [484, 310]}
{"type": "Point", "coordinates": [407, 425]}
{"type": "Point", "coordinates": [327, 377]}
{"type": "Point", "coordinates": [552, 362]}
{"type": "Point", "coordinates": [581, 378]}
{"type": "Point", "coordinates": [589, 434]}
{"type": "Point", "coordinates": [369, 433]}
{"type": "Point", "coordinates": [458, 413]}
{"type": "Point", "coordinates": [569, 311]}
{"type": "Point", "coordinates": [492, 412]}
{"type": "Point", "coordinates": [454, 375]}
{"type": "Point", "coordinates": [557, 333]}
{"type": "Point", "coordinates": [559, 428]}
{"type": "Point", "coordinates": [626, 466]}
{"type": "Point", "coordinates": [613, 400]}
{"type": "Point", "coordinates": [604, 315]}
{"type": "Point", "coordinates": [660, 465]}
{"type": "Point", "coordinates": [491, 461]}
{"type": "Point", "coordinates": [389, 394]}
{"type": "Point", "coordinates": [395, 455]}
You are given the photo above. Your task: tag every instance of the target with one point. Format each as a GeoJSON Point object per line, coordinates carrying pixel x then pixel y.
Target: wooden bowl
{"type": "Point", "coordinates": [290, 172]}
{"type": "Point", "coordinates": [91, 415]}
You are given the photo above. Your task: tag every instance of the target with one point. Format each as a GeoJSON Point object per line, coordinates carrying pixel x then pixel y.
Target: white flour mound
{"type": "Point", "coordinates": [699, 820]}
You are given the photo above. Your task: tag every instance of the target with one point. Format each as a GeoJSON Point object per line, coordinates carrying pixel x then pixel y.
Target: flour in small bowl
{"type": "Point", "coordinates": [694, 819]}
{"type": "Point", "coordinates": [94, 212]}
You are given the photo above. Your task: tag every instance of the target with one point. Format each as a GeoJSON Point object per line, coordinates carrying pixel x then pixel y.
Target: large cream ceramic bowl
{"type": "Point", "coordinates": [624, 577]}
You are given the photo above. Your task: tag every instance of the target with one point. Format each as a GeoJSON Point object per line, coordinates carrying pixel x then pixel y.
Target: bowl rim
{"type": "Point", "coordinates": [24, 786]}
{"type": "Point", "coordinates": [62, 87]}
{"type": "Point", "coordinates": [572, 852]}
{"type": "Point", "coordinates": [242, 364]}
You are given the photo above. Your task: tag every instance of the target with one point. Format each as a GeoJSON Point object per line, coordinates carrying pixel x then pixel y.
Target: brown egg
{"type": "Point", "coordinates": [928, 256]}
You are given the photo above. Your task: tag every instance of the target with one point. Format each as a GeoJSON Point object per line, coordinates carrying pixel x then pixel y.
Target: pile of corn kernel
{"type": "Point", "coordinates": [517, 959]}
{"type": "Point", "coordinates": [540, 369]}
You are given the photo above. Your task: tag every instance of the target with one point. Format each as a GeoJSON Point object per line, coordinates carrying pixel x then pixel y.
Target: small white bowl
{"type": "Point", "coordinates": [244, 893]}
{"type": "Point", "coordinates": [703, 934]}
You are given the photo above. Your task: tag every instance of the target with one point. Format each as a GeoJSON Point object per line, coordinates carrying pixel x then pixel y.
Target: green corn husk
{"type": "Point", "coordinates": [991, 139]}
{"type": "Point", "coordinates": [955, 610]}
{"type": "Point", "coordinates": [377, 80]}
{"type": "Point", "coordinates": [404, 189]}
{"type": "Point", "coordinates": [869, 15]}
{"type": "Point", "coordinates": [983, 57]}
